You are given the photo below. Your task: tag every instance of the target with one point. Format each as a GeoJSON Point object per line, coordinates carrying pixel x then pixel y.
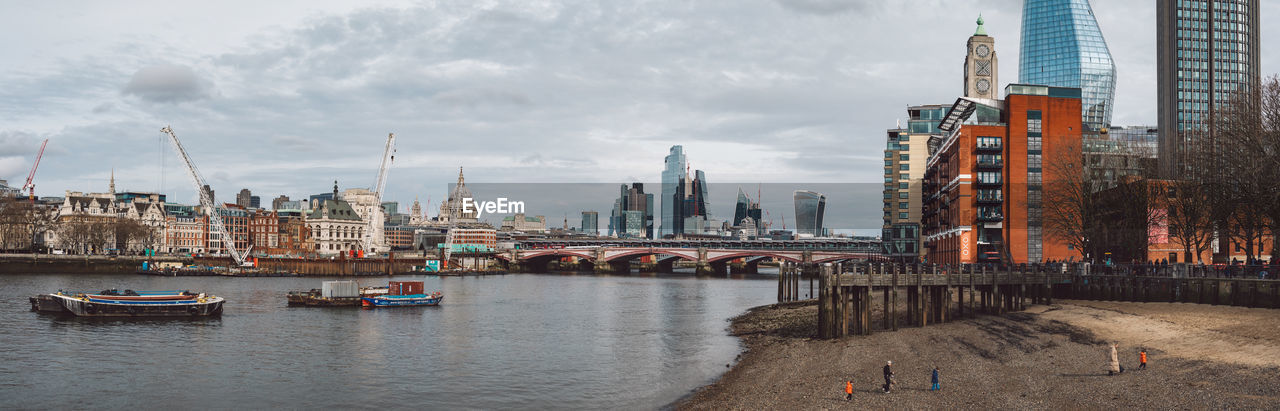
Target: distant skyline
{"type": "Point", "coordinates": [284, 97]}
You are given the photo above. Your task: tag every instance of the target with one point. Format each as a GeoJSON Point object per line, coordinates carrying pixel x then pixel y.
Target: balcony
{"type": "Point", "coordinates": [990, 199]}
{"type": "Point", "coordinates": [990, 147]}
{"type": "Point", "coordinates": [990, 217]}
{"type": "Point", "coordinates": [990, 165]}
{"type": "Point", "coordinates": [989, 182]}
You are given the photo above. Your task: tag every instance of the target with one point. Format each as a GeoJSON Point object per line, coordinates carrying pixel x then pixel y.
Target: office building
{"type": "Point", "coordinates": [1206, 52]}
{"type": "Point", "coordinates": [905, 155]}
{"type": "Point", "coordinates": [590, 223]}
{"type": "Point", "coordinates": [244, 198]}
{"type": "Point", "coordinates": [747, 216]}
{"type": "Point", "coordinates": [632, 214]}
{"type": "Point", "coordinates": [810, 207]}
{"type": "Point", "coordinates": [1062, 46]}
{"type": "Point", "coordinates": [673, 171]}
{"type": "Point", "coordinates": [278, 202]}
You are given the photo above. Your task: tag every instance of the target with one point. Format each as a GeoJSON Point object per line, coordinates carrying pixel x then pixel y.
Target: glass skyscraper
{"type": "Point", "coordinates": [1206, 51]}
{"type": "Point", "coordinates": [810, 206]}
{"type": "Point", "coordinates": [672, 174]}
{"type": "Point", "coordinates": [1062, 46]}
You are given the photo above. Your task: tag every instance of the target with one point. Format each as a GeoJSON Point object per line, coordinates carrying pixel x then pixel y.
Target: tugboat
{"type": "Point", "coordinates": [403, 294]}
{"type": "Point", "coordinates": [129, 303]}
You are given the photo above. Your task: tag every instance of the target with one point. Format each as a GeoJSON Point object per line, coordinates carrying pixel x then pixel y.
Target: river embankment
{"type": "Point", "coordinates": [1047, 357]}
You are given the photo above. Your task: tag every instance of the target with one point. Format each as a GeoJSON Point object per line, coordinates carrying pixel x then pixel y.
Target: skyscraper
{"type": "Point", "coordinates": [745, 209]}
{"type": "Point", "coordinates": [810, 206]}
{"type": "Point", "coordinates": [632, 214]}
{"type": "Point", "coordinates": [590, 223]}
{"type": "Point", "coordinates": [1205, 52]}
{"type": "Point", "coordinates": [1062, 46]}
{"type": "Point", "coordinates": [243, 198]}
{"type": "Point", "coordinates": [672, 174]}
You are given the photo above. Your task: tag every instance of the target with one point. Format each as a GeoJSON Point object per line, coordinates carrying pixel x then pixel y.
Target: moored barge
{"type": "Point", "coordinates": [129, 304]}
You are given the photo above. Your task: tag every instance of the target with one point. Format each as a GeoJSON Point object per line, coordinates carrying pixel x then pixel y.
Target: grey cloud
{"type": "Point", "coordinates": [16, 143]}
{"type": "Point", "coordinates": [829, 6]}
{"type": "Point", "coordinates": [166, 84]}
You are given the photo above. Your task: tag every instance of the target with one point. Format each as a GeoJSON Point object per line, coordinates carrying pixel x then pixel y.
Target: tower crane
{"type": "Point", "coordinates": [206, 201]}
{"type": "Point", "coordinates": [374, 240]}
{"type": "Point", "coordinates": [30, 186]}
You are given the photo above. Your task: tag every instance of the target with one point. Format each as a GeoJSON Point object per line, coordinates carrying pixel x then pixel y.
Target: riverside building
{"type": "Point", "coordinates": [906, 152]}
{"type": "Point", "coordinates": [983, 188]}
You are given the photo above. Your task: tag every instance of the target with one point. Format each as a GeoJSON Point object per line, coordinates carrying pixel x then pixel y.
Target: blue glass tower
{"type": "Point", "coordinates": [1062, 46]}
{"type": "Point", "coordinates": [673, 172]}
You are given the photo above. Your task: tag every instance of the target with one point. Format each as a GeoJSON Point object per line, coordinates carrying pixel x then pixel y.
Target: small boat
{"type": "Point", "coordinates": [410, 300]}
{"type": "Point", "coordinates": [110, 303]}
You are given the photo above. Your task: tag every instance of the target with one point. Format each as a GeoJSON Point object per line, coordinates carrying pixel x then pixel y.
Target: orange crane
{"type": "Point", "coordinates": [31, 186]}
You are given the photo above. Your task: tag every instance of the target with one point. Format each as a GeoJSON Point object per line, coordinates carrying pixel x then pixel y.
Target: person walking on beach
{"type": "Point", "coordinates": [936, 385]}
{"type": "Point", "coordinates": [1114, 367]}
{"type": "Point", "coordinates": [848, 390]}
{"type": "Point", "coordinates": [888, 376]}
{"type": "Point", "coordinates": [1142, 358]}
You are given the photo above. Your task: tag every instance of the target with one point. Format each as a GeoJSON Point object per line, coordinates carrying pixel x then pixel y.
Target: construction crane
{"type": "Point", "coordinates": [206, 201]}
{"type": "Point", "coordinates": [30, 186]}
{"type": "Point", "coordinates": [373, 235]}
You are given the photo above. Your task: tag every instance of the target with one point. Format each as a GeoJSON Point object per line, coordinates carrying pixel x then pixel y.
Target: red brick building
{"type": "Point", "coordinates": [264, 230]}
{"type": "Point", "coordinates": [984, 184]}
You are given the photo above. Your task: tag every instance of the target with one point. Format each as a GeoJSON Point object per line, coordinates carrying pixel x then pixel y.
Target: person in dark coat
{"type": "Point", "coordinates": [936, 385]}
{"type": "Point", "coordinates": [888, 376]}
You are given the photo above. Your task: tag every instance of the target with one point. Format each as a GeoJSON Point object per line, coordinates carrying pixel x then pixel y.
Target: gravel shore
{"type": "Point", "coordinates": [1047, 357]}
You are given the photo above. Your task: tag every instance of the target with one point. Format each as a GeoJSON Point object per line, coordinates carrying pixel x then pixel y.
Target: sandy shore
{"type": "Point", "coordinates": [1048, 357]}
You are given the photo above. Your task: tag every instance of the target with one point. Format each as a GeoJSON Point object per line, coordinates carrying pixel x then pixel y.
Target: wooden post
{"type": "Point", "coordinates": [893, 304]}
{"type": "Point", "coordinates": [824, 301]}
{"type": "Point", "coordinates": [782, 274]}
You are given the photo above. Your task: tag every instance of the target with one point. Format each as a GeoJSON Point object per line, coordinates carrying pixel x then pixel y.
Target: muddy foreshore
{"type": "Point", "coordinates": [1047, 357]}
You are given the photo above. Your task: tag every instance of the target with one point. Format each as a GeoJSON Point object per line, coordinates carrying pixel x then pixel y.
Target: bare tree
{"type": "Point", "coordinates": [1240, 165]}
{"type": "Point", "coordinates": [1069, 206]}
{"type": "Point", "coordinates": [1189, 217]}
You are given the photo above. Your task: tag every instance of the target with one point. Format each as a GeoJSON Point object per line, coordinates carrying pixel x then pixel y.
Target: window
{"type": "Point", "coordinates": [1033, 162]}
{"type": "Point", "coordinates": [904, 157]}
{"type": "Point", "coordinates": [904, 206]}
{"type": "Point", "coordinates": [904, 186]}
{"type": "Point", "coordinates": [888, 196]}
{"type": "Point", "coordinates": [888, 163]}
{"type": "Point", "coordinates": [988, 142]}
{"type": "Point", "coordinates": [988, 177]}
{"type": "Point", "coordinates": [904, 195]}
{"type": "Point", "coordinates": [904, 177]}
{"type": "Point", "coordinates": [904, 167]}
{"type": "Point", "coordinates": [904, 216]}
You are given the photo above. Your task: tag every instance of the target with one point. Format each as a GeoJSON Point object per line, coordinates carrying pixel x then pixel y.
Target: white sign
{"type": "Point", "coordinates": [500, 206]}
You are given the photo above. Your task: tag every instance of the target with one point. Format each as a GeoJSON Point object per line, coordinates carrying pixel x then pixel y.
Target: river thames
{"type": "Point", "coordinates": [511, 341]}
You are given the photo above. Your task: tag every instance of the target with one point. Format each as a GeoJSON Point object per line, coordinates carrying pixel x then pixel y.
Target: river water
{"type": "Point", "coordinates": [519, 341]}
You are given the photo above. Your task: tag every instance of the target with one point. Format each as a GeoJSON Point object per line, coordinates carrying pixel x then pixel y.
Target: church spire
{"type": "Point", "coordinates": [113, 181]}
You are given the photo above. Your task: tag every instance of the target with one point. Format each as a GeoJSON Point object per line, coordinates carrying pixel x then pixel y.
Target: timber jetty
{"type": "Point", "coordinates": [934, 294]}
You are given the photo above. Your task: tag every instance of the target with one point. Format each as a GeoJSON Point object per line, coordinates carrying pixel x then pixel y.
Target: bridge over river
{"type": "Point", "coordinates": [711, 257]}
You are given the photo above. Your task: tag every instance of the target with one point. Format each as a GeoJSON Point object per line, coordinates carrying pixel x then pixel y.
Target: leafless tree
{"type": "Point", "coordinates": [1240, 166]}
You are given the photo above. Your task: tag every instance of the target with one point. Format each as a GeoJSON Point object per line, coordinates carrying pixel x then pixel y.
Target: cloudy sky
{"type": "Point", "coordinates": [285, 96]}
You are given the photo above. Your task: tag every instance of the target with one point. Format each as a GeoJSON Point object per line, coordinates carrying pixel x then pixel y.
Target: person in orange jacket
{"type": "Point", "coordinates": [848, 390]}
{"type": "Point", "coordinates": [1142, 359]}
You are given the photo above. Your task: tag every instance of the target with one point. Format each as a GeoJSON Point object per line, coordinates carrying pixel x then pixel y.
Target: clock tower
{"type": "Point", "coordinates": [981, 68]}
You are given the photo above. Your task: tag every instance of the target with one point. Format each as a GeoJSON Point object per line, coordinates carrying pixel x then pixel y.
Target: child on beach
{"type": "Point", "coordinates": [848, 390]}
{"type": "Point", "coordinates": [1142, 359]}
{"type": "Point", "coordinates": [936, 385]}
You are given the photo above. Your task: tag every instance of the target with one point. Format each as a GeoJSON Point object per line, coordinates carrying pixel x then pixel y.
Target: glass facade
{"type": "Point", "coordinates": [1062, 46]}
{"type": "Point", "coordinates": [1207, 52]}
{"type": "Point", "coordinates": [672, 174]}
{"type": "Point", "coordinates": [810, 206]}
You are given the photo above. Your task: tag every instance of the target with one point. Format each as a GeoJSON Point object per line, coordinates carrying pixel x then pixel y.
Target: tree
{"type": "Point", "coordinates": [1189, 217]}
{"type": "Point", "coordinates": [1069, 206]}
{"type": "Point", "coordinates": [1239, 165]}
